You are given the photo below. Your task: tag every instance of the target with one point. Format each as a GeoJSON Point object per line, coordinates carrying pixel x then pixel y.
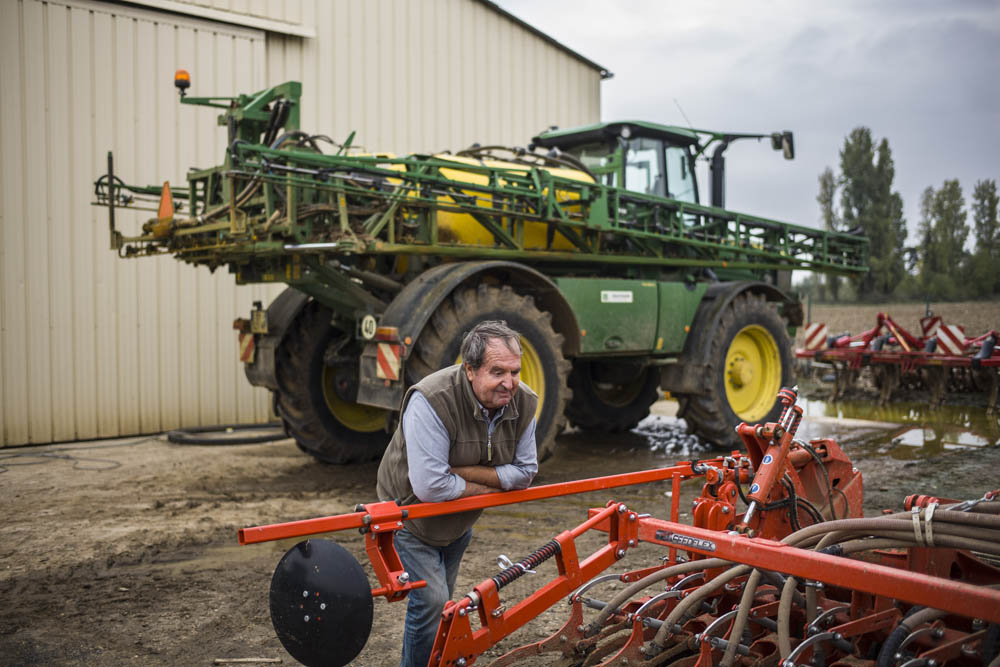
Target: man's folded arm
{"type": "Point", "coordinates": [427, 444]}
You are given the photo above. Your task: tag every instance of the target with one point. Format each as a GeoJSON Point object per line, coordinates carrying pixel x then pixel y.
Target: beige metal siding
{"type": "Point", "coordinates": [95, 346]}
{"type": "Point", "coordinates": [278, 10]}
{"type": "Point", "coordinates": [91, 345]}
{"type": "Point", "coordinates": [430, 75]}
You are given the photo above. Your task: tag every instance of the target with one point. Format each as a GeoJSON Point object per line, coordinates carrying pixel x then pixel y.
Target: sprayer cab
{"type": "Point", "coordinates": [654, 159]}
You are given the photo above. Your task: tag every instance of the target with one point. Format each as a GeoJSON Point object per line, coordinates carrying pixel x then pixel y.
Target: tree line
{"type": "Point", "coordinates": [936, 265]}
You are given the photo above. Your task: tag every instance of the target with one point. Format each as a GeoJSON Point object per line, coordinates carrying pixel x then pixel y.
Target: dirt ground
{"type": "Point", "coordinates": [117, 553]}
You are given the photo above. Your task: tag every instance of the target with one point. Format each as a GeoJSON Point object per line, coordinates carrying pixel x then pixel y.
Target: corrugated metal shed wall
{"type": "Point", "coordinates": [433, 75]}
{"type": "Point", "coordinates": [93, 346]}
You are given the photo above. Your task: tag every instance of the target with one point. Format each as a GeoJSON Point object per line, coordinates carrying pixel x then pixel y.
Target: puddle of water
{"type": "Point", "coordinates": [903, 430]}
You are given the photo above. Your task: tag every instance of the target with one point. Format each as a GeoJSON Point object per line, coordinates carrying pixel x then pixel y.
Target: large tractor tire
{"type": "Point", "coordinates": [748, 362]}
{"type": "Point", "coordinates": [315, 396]}
{"type": "Point", "coordinates": [611, 398]}
{"type": "Point", "coordinates": [543, 367]}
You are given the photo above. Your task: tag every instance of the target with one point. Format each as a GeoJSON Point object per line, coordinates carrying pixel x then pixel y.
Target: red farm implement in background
{"type": "Point", "coordinates": [941, 358]}
{"type": "Point", "coordinates": [798, 577]}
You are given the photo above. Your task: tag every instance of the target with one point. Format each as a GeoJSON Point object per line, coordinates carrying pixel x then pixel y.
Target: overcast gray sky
{"type": "Point", "coordinates": [925, 74]}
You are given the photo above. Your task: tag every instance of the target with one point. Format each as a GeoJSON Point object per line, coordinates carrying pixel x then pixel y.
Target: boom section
{"type": "Point", "coordinates": [266, 204]}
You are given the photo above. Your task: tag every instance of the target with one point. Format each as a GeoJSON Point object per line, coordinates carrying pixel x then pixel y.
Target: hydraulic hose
{"type": "Point", "coordinates": [991, 642]}
{"type": "Point", "coordinates": [942, 530]}
{"type": "Point", "coordinates": [746, 601]}
{"type": "Point", "coordinates": [785, 603]}
{"type": "Point", "coordinates": [695, 598]}
{"type": "Point", "coordinates": [650, 579]}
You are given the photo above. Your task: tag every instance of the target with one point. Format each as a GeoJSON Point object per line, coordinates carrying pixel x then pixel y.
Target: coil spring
{"type": "Point", "coordinates": [529, 562]}
{"type": "Point", "coordinates": [787, 397]}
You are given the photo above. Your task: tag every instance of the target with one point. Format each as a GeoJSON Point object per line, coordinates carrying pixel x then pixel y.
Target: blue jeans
{"type": "Point", "coordinates": [438, 566]}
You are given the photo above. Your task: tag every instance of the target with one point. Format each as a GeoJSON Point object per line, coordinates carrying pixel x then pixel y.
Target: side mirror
{"type": "Point", "coordinates": [784, 142]}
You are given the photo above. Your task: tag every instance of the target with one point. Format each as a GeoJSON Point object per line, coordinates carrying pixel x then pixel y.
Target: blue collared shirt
{"type": "Point", "coordinates": [428, 445]}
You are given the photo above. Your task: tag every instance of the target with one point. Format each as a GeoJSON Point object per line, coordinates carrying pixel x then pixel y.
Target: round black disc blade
{"type": "Point", "coordinates": [321, 604]}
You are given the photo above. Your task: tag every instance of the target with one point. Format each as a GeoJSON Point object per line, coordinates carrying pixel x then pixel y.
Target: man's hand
{"type": "Point", "coordinates": [478, 479]}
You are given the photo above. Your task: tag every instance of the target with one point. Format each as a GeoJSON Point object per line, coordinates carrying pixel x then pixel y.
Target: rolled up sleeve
{"type": "Point", "coordinates": [427, 448]}
{"type": "Point", "coordinates": [519, 473]}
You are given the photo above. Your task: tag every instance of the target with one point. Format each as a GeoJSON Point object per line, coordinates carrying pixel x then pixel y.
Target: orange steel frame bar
{"type": "Point", "coordinates": [953, 596]}
{"type": "Point", "coordinates": [456, 639]}
{"type": "Point", "coordinates": [379, 521]}
{"type": "Point", "coordinates": [380, 513]}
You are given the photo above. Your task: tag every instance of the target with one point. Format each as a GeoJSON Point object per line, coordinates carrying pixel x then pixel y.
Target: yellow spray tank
{"type": "Point", "coordinates": [462, 228]}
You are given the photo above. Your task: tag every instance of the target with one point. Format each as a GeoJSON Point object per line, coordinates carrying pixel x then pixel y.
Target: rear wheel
{"type": "Point", "coordinates": [611, 397]}
{"type": "Point", "coordinates": [317, 375]}
{"type": "Point", "coordinates": [748, 362]}
{"type": "Point", "coordinates": [543, 367]}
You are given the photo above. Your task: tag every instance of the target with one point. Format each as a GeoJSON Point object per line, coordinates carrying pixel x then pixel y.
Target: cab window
{"type": "Point", "coordinates": [599, 158]}
{"type": "Point", "coordinates": [644, 167]}
{"type": "Point", "coordinates": [680, 180]}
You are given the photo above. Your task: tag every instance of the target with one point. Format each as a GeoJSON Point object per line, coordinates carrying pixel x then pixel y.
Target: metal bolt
{"type": "Point", "coordinates": [631, 543]}
{"type": "Point", "coordinates": [580, 628]}
{"type": "Point", "coordinates": [563, 638]}
{"type": "Point", "coordinates": [622, 508]}
{"type": "Point", "coordinates": [460, 662]}
{"type": "Point", "coordinates": [399, 524]}
{"type": "Point", "coordinates": [462, 612]}
{"type": "Point", "coordinates": [403, 578]}
{"type": "Point", "coordinates": [375, 527]}
{"type": "Point", "coordinates": [620, 553]}
{"type": "Point", "coordinates": [631, 517]}
{"type": "Point", "coordinates": [725, 509]}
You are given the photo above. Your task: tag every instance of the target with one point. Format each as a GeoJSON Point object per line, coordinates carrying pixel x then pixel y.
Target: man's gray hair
{"type": "Point", "coordinates": [475, 342]}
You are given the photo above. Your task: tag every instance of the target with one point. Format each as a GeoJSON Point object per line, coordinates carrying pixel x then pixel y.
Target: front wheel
{"type": "Point", "coordinates": [748, 362]}
{"type": "Point", "coordinates": [543, 367]}
{"type": "Point", "coordinates": [317, 375]}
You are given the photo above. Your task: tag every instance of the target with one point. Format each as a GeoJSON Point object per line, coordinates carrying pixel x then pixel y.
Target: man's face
{"type": "Point", "coordinates": [495, 382]}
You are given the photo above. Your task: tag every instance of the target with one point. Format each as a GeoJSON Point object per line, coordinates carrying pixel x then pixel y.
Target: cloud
{"type": "Point", "coordinates": [920, 73]}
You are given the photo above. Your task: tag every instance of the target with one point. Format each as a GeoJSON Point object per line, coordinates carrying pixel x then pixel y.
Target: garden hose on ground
{"type": "Point", "coordinates": [227, 434]}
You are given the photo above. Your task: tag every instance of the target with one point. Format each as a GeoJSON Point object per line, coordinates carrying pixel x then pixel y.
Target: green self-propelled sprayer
{"type": "Point", "coordinates": [592, 243]}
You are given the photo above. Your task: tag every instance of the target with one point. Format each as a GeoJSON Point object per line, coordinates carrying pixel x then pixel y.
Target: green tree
{"type": "Point", "coordinates": [831, 222]}
{"type": "Point", "coordinates": [868, 205]}
{"type": "Point", "coordinates": [985, 205]}
{"type": "Point", "coordinates": [984, 274]}
{"type": "Point", "coordinates": [943, 231]}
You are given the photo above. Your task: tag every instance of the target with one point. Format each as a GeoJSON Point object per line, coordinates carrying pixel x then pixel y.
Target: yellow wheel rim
{"type": "Point", "coordinates": [531, 372]}
{"type": "Point", "coordinates": [752, 373]}
{"type": "Point", "coordinates": [357, 417]}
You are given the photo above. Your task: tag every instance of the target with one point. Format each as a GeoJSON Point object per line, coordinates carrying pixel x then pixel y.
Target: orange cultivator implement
{"type": "Point", "coordinates": [797, 578]}
{"type": "Point", "coordinates": [941, 357]}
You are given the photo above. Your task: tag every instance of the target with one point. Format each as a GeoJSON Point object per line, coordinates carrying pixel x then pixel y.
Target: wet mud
{"type": "Point", "coordinates": [125, 552]}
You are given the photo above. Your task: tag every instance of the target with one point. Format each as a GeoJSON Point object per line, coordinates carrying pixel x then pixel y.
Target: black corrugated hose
{"type": "Point", "coordinates": [227, 434]}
